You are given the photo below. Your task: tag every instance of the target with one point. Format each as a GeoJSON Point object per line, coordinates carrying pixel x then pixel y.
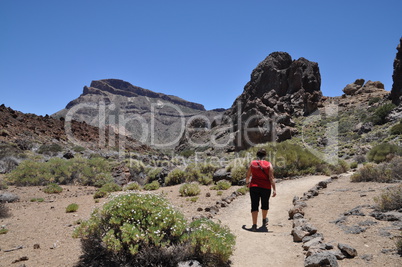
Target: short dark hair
{"type": "Point", "coordinates": [261, 153]}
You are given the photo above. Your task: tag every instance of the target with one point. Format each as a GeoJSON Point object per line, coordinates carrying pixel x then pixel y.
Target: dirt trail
{"type": "Point", "coordinates": [275, 247]}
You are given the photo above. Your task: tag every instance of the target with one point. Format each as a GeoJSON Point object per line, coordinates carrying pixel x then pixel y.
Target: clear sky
{"type": "Point", "coordinates": [202, 51]}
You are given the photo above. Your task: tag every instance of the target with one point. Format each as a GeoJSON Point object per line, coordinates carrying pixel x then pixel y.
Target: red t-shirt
{"type": "Point", "coordinates": [260, 178]}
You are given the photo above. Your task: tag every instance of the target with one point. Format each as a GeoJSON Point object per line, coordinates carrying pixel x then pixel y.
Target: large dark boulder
{"type": "Point", "coordinates": [279, 89]}
{"type": "Point", "coordinates": [396, 92]}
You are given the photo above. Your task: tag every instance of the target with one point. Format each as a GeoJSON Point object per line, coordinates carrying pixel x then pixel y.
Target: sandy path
{"type": "Point", "coordinates": [275, 247]}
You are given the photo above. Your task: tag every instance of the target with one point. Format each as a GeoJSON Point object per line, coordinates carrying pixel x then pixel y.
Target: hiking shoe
{"type": "Point", "coordinates": [254, 228]}
{"type": "Point", "coordinates": [265, 221]}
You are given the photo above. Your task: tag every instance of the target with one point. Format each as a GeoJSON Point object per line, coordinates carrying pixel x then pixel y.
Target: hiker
{"type": "Point", "coordinates": [261, 173]}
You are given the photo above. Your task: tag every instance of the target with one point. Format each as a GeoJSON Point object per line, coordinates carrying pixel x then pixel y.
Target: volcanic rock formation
{"type": "Point", "coordinates": [396, 92]}
{"type": "Point", "coordinates": [279, 89]}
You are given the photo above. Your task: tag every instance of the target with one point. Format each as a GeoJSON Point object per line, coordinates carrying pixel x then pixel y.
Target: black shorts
{"type": "Point", "coordinates": [257, 194]}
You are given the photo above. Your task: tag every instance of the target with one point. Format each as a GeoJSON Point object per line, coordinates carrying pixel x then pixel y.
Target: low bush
{"type": "Point", "coordinates": [153, 174]}
{"type": "Point", "coordinates": [38, 199]}
{"type": "Point", "coordinates": [78, 149]}
{"type": "Point", "coordinates": [380, 114]}
{"type": "Point", "coordinates": [132, 186]}
{"type": "Point", "coordinates": [206, 179]}
{"type": "Point", "coordinates": [238, 173]}
{"type": "Point", "coordinates": [396, 129]}
{"type": "Point", "coordinates": [53, 189]}
{"type": "Point", "coordinates": [383, 152]}
{"type": "Point", "coordinates": [145, 230]}
{"type": "Point", "coordinates": [353, 165]}
{"type": "Point", "coordinates": [243, 190]}
{"type": "Point", "coordinates": [222, 185]}
{"type": "Point", "coordinates": [50, 149]}
{"type": "Point", "coordinates": [152, 186]}
{"type": "Point", "coordinates": [390, 199]}
{"type": "Point", "coordinates": [106, 189]}
{"type": "Point", "coordinates": [176, 176]}
{"type": "Point", "coordinates": [73, 207]}
{"type": "Point", "coordinates": [341, 167]}
{"type": "Point", "coordinates": [95, 171]}
{"type": "Point", "coordinates": [212, 243]}
{"type": "Point", "coordinates": [3, 231]}
{"type": "Point", "coordinates": [372, 173]}
{"type": "Point", "coordinates": [189, 189]}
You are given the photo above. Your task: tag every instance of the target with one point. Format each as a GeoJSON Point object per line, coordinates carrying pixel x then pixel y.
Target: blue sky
{"type": "Point", "coordinates": [202, 51]}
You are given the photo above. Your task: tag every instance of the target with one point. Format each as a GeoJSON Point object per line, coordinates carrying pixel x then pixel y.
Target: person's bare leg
{"type": "Point", "coordinates": [264, 214]}
{"type": "Point", "coordinates": [254, 215]}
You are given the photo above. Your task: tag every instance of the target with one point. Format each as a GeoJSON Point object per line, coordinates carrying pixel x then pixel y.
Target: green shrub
{"type": "Point", "coordinates": [380, 114]}
{"type": "Point", "coordinates": [396, 129]}
{"type": "Point", "coordinates": [50, 149]}
{"type": "Point", "coordinates": [37, 199]}
{"type": "Point", "coordinates": [390, 199]}
{"type": "Point", "coordinates": [222, 185]}
{"type": "Point", "coordinates": [342, 167]}
{"type": "Point", "coordinates": [176, 176]}
{"type": "Point", "coordinates": [3, 231]}
{"type": "Point", "coordinates": [106, 189]}
{"type": "Point", "coordinates": [78, 149]}
{"type": "Point", "coordinates": [239, 173]}
{"type": "Point", "coordinates": [219, 193]}
{"type": "Point", "coordinates": [53, 189]}
{"type": "Point", "coordinates": [73, 207]}
{"type": "Point", "coordinates": [132, 186]}
{"type": "Point", "coordinates": [152, 186]}
{"type": "Point", "coordinates": [372, 173]}
{"type": "Point", "coordinates": [353, 165]}
{"type": "Point", "coordinates": [383, 152]}
{"type": "Point", "coordinates": [374, 100]}
{"type": "Point", "coordinates": [206, 179]}
{"type": "Point", "coordinates": [212, 242]}
{"type": "Point", "coordinates": [188, 190]}
{"type": "Point", "coordinates": [96, 171]}
{"type": "Point", "coordinates": [243, 190]}
{"type": "Point", "coordinates": [3, 185]}
{"type": "Point", "coordinates": [145, 230]}
{"type": "Point", "coordinates": [153, 174]}
{"type": "Point", "coordinates": [128, 226]}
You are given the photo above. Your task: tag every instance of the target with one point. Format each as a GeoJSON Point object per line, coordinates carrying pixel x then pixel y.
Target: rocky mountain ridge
{"type": "Point", "coordinates": [152, 118]}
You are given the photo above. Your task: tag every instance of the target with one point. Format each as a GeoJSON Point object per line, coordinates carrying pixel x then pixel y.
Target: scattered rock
{"type": "Point", "coordinates": [222, 174]}
{"type": "Point", "coordinates": [190, 263]}
{"type": "Point", "coordinates": [294, 210]}
{"type": "Point", "coordinates": [298, 234]}
{"type": "Point", "coordinates": [321, 259]}
{"type": "Point", "coordinates": [347, 250]}
{"type": "Point", "coordinates": [36, 246]}
{"type": "Point", "coordinates": [387, 216]}
{"type": "Point", "coordinates": [8, 197]}
{"type": "Point", "coordinates": [315, 242]}
{"type": "Point", "coordinates": [355, 229]}
{"type": "Point", "coordinates": [367, 257]}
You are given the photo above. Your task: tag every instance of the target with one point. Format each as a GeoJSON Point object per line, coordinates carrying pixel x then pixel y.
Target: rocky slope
{"type": "Point", "coordinates": [152, 118]}
{"type": "Point", "coordinates": [27, 132]}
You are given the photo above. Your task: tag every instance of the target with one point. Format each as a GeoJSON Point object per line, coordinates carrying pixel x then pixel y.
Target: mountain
{"type": "Point", "coordinates": [152, 118]}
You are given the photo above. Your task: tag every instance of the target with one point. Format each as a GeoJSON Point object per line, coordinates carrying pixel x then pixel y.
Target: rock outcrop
{"type": "Point", "coordinates": [396, 92]}
{"type": "Point", "coordinates": [279, 88]}
{"type": "Point", "coordinates": [358, 87]}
